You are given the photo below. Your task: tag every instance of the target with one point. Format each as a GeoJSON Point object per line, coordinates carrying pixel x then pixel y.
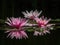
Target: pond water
{"type": "Point", "coordinates": [49, 39]}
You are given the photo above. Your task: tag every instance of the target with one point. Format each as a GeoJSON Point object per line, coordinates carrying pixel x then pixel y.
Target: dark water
{"type": "Point", "coordinates": [50, 8]}
{"type": "Point", "coordinates": [49, 39]}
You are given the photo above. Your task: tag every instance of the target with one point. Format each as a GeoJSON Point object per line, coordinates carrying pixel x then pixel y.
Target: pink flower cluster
{"type": "Point", "coordinates": [19, 23]}
{"type": "Point", "coordinates": [43, 25]}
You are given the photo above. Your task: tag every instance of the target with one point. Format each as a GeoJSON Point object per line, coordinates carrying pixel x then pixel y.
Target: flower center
{"type": "Point", "coordinates": [17, 26]}
{"type": "Point", "coordinates": [41, 24]}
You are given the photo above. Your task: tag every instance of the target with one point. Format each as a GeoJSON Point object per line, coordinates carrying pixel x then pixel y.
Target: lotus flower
{"type": "Point", "coordinates": [43, 25]}
{"type": "Point", "coordinates": [18, 24]}
{"type": "Point", "coordinates": [42, 22]}
{"type": "Point", "coordinates": [31, 14]}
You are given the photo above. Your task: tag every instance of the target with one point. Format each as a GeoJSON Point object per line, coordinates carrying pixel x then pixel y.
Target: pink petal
{"type": "Point", "coordinates": [24, 34]}
{"type": "Point", "coordinates": [8, 23]}
{"type": "Point", "coordinates": [24, 23]}
{"type": "Point", "coordinates": [36, 33]}
{"type": "Point", "coordinates": [8, 20]}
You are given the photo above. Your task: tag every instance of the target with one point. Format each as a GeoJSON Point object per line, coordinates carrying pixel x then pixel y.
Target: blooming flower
{"type": "Point", "coordinates": [18, 24]}
{"type": "Point", "coordinates": [42, 22]}
{"type": "Point", "coordinates": [43, 25]}
{"type": "Point", "coordinates": [31, 14]}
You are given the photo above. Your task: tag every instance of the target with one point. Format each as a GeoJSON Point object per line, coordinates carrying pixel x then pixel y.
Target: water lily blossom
{"type": "Point", "coordinates": [31, 14]}
{"type": "Point", "coordinates": [44, 25]}
{"type": "Point", "coordinates": [18, 24]}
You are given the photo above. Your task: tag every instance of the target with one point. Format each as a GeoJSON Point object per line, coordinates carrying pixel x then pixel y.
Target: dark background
{"type": "Point", "coordinates": [50, 8]}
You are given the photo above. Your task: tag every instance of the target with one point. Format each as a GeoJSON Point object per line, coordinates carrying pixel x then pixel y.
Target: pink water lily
{"type": "Point", "coordinates": [44, 26]}
{"type": "Point", "coordinates": [42, 22]}
{"type": "Point", "coordinates": [31, 14]}
{"type": "Point", "coordinates": [18, 24]}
